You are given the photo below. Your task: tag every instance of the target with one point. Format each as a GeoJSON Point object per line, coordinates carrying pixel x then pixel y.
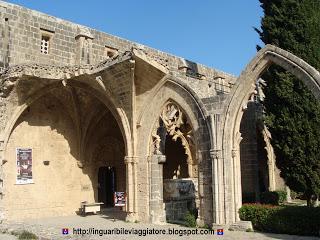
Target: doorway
{"type": "Point", "coordinates": [106, 185]}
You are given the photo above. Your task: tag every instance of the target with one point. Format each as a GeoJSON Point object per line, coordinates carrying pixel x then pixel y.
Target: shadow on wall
{"type": "Point", "coordinates": [59, 128]}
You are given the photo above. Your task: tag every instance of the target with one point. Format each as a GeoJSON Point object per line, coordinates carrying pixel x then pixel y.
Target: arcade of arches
{"type": "Point", "coordinates": [63, 136]}
{"type": "Point", "coordinates": [171, 134]}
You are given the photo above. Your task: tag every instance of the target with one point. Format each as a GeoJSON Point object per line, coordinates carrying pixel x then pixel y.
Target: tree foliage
{"type": "Point", "coordinates": [292, 112]}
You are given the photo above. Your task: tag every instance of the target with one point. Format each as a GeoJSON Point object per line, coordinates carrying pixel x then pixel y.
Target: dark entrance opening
{"type": "Point", "coordinates": [176, 160]}
{"type": "Point", "coordinates": [106, 185]}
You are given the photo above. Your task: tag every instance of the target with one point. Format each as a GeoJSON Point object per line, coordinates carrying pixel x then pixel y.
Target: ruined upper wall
{"type": "Point", "coordinates": [24, 31]}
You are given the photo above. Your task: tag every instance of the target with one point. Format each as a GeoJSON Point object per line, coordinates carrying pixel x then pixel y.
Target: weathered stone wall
{"type": "Point", "coordinates": [179, 196]}
{"type": "Point", "coordinates": [4, 43]}
{"type": "Point", "coordinates": [57, 128]}
{"type": "Point", "coordinates": [59, 187]}
{"type": "Point", "coordinates": [24, 28]}
{"type": "Point", "coordinates": [249, 155]}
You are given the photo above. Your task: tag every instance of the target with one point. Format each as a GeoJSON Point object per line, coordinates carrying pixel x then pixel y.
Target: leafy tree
{"type": "Point", "coordinates": [291, 111]}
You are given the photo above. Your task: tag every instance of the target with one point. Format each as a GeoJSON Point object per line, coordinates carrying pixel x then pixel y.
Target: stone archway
{"type": "Point", "coordinates": [106, 97]}
{"type": "Point", "coordinates": [237, 103]}
{"type": "Point", "coordinates": [57, 126]}
{"type": "Point", "coordinates": [174, 170]}
{"type": "Point", "coordinates": [175, 91]}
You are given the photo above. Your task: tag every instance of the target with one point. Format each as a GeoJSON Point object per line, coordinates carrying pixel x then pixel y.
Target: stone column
{"type": "Point", "coordinates": [237, 182]}
{"type": "Point", "coordinates": [219, 200]}
{"type": "Point", "coordinates": [2, 161]}
{"type": "Point", "coordinates": [131, 189]}
{"type": "Point", "coordinates": [4, 59]}
{"type": "Point", "coordinates": [190, 168]}
{"type": "Point", "coordinates": [84, 46]}
{"type": "Point", "coordinates": [157, 209]}
{"type": "Point", "coordinates": [271, 158]}
{"type": "Point", "coordinates": [289, 199]}
{"type": "Point", "coordinates": [271, 177]}
{"type": "Point", "coordinates": [214, 155]}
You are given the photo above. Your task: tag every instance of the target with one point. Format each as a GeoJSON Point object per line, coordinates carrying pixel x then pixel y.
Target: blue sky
{"type": "Point", "coordinates": [216, 33]}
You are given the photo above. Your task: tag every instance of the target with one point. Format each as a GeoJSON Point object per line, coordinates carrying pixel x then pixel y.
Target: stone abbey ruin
{"type": "Point", "coordinates": [85, 114]}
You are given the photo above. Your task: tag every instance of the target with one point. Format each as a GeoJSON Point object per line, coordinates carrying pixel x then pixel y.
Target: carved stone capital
{"type": "Point", "coordinates": [215, 154]}
{"type": "Point", "coordinates": [131, 159]}
{"type": "Point", "coordinates": [234, 153]}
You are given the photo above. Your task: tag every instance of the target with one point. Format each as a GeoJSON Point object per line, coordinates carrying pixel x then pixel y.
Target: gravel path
{"type": "Point", "coordinates": [51, 228]}
{"type": "Point", "coordinates": [7, 237]}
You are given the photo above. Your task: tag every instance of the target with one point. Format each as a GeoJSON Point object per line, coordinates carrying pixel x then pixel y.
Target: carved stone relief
{"type": "Point", "coordinates": [175, 124]}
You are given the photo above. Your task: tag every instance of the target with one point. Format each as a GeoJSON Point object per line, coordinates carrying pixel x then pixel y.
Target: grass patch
{"type": "Point", "coordinates": [25, 235]}
{"type": "Point", "coordinates": [190, 220]}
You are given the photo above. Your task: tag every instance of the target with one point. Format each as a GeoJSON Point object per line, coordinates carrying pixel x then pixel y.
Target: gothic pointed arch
{"type": "Point", "coordinates": [105, 97]}
{"type": "Point", "coordinates": [236, 104]}
{"type": "Point", "coordinates": [185, 102]}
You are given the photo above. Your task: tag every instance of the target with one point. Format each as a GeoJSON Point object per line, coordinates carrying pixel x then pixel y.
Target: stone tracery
{"type": "Point", "coordinates": [175, 124]}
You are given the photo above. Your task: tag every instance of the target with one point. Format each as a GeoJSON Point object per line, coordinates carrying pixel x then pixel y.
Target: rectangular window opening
{"type": "Point", "coordinates": [45, 41]}
{"type": "Point", "coordinates": [46, 36]}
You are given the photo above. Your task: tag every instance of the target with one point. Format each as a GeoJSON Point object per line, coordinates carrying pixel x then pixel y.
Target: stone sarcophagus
{"type": "Point", "coordinates": [179, 196]}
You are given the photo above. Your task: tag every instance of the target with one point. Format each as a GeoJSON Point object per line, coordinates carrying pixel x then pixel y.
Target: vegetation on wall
{"type": "Point", "coordinates": [292, 113]}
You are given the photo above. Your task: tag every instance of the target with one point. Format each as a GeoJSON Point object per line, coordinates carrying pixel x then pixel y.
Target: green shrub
{"type": "Point", "coordinates": [296, 220]}
{"type": "Point", "coordinates": [282, 196]}
{"type": "Point", "coordinates": [25, 235]}
{"type": "Point", "coordinates": [273, 198]}
{"type": "Point", "coordinates": [190, 220]}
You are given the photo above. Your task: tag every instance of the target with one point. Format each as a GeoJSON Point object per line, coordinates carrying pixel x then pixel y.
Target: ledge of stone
{"type": "Point", "coordinates": [218, 226]}
{"type": "Point", "coordinates": [244, 226]}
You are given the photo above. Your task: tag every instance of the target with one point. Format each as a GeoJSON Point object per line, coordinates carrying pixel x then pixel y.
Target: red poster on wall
{"type": "Point", "coordinates": [119, 199]}
{"type": "Point", "coordinates": [24, 165]}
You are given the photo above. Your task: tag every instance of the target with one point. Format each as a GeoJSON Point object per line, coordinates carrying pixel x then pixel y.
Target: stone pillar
{"type": "Point", "coordinates": [289, 200]}
{"type": "Point", "coordinates": [190, 168]}
{"type": "Point", "coordinates": [157, 209]}
{"type": "Point", "coordinates": [2, 161]}
{"type": "Point", "coordinates": [131, 208]}
{"type": "Point", "coordinates": [84, 46]}
{"type": "Point", "coordinates": [270, 158]}
{"type": "Point", "coordinates": [271, 177]}
{"type": "Point", "coordinates": [214, 154]}
{"type": "Point", "coordinates": [4, 55]}
{"type": "Point", "coordinates": [237, 182]}
{"type": "Point", "coordinates": [219, 201]}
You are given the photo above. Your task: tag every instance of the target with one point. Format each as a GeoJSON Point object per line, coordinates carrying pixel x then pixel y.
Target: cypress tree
{"type": "Point", "coordinates": [292, 113]}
